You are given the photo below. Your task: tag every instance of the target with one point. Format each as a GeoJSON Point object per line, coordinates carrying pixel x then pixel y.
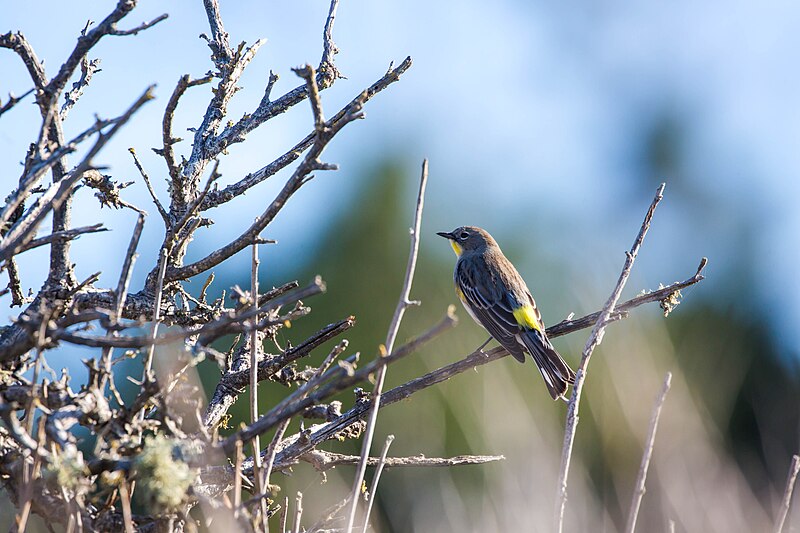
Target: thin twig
{"type": "Point", "coordinates": [127, 268]}
{"type": "Point", "coordinates": [311, 163]}
{"type": "Point", "coordinates": [39, 167]}
{"type": "Point", "coordinates": [148, 363]}
{"type": "Point", "coordinates": [307, 73]}
{"type": "Point", "coordinates": [216, 198]}
{"type": "Point", "coordinates": [25, 505]}
{"type": "Point", "coordinates": [373, 489]}
{"type": "Point", "coordinates": [166, 124]}
{"type": "Point", "coordinates": [14, 100]}
{"type": "Point", "coordinates": [323, 460]}
{"type": "Point", "coordinates": [267, 108]}
{"type": "Point", "coordinates": [329, 49]}
{"type": "Point", "coordinates": [595, 338]}
{"type": "Point", "coordinates": [88, 69]}
{"type": "Point", "coordinates": [338, 379]}
{"type": "Point", "coordinates": [125, 498]}
{"type": "Point", "coordinates": [323, 432]}
{"type": "Point", "coordinates": [228, 323]}
{"type": "Point", "coordinates": [284, 514]}
{"type": "Point", "coordinates": [141, 27]}
{"type": "Point", "coordinates": [298, 513]}
{"type": "Point", "coordinates": [120, 295]}
{"type": "Point", "coordinates": [254, 345]}
{"type": "Point", "coordinates": [69, 234]}
{"type": "Point", "coordinates": [330, 514]}
{"type": "Point", "coordinates": [310, 384]}
{"type": "Point", "coordinates": [15, 283]}
{"type": "Point", "coordinates": [237, 480]}
{"type": "Point", "coordinates": [783, 511]}
{"type": "Point", "coordinates": [638, 491]}
{"type": "Point", "coordinates": [403, 303]}
{"type": "Point", "coordinates": [146, 178]}
{"type": "Point", "coordinates": [56, 194]}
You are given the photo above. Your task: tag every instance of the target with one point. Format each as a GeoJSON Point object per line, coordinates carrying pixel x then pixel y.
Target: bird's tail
{"type": "Point", "coordinates": [555, 371]}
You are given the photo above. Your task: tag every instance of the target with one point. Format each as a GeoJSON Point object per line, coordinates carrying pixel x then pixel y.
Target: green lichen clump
{"type": "Point", "coordinates": [163, 478]}
{"type": "Point", "coordinates": [68, 471]}
{"type": "Point", "coordinates": [669, 303]}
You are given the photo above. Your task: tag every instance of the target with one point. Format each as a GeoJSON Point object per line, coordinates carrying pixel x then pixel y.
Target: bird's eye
{"type": "Point", "coordinates": [463, 235]}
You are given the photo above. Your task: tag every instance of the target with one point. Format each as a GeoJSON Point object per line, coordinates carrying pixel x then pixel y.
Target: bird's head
{"type": "Point", "coordinates": [468, 239]}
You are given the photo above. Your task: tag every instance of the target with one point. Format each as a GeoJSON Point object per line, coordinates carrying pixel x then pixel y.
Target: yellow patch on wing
{"type": "Point", "coordinates": [526, 317]}
{"type": "Point", "coordinates": [456, 248]}
{"type": "Point", "coordinates": [460, 293]}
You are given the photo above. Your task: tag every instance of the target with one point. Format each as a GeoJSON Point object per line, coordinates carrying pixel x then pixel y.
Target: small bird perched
{"type": "Point", "coordinates": [496, 297]}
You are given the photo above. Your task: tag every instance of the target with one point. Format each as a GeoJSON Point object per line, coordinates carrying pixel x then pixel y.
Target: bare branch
{"type": "Point", "coordinates": [284, 514]}
{"type": "Point", "coordinates": [232, 383]}
{"type": "Point", "coordinates": [668, 293]}
{"type": "Point", "coordinates": [61, 273]}
{"type": "Point", "coordinates": [237, 473]}
{"type": "Point", "coordinates": [639, 489]}
{"type": "Point", "coordinates": [216, 198]}
{"type": "Point", "coordinates": [23, 231]}
{"type": "Point", "coordinates": [327, 68]}
{"type": "Point", "coordinates": [65, 310]}
{"type": "Point", "coordinates": [37, 169]}
{"type": "Point", "coordinates": [307, 73]}
{"type": "Point", "coordinates": [298, 513]}
{"type": "Point", "coordinates": [15, 284]}
{"type": "Point", "coordinates": [88, 69]}
{"type": "Point", "coordinates": [121, 294]}
{"type": "Point", "coordinates": [403, 303]}
{"type": "Point", "coordinates": [146, 178]}
{"type": "Point", "coordinates": [322, 525]}
{"type": "Point", "coordinates": [87, 41]}
{"type": "Point", "coordinates": [373, 490]}
{"type": "Point", "coordinates": [786, 501]}
{"type": "Point", "coordinates": [69, 234]}
{"type": "Point", "coordinates": [267, 109]}
{"type": "Point", "coordinates": [127, 266]}
{"type": "Point", "coordinates": [220, 42]}
{"type": "Point", "coordinates": [309, 164]}
{"type": "Point", "coordinates": [276, 440]}
{"type": "Point", "coordinates": [141, 27]}
{"type": "Point", "coordinates": [323, 461]}
{"type": "Point", "coordinates": [595, 338]}
{"type": "Point", "coordinates": [125, 498]}
{"type": "Point", "coordinates": [328, 430]}
{"type": "Point", "coordinates": [148, 362]}
{"type": "Point", "coordinates": [254, 353]}
{"type": "Point", "coordinates": [13, 100]}
{"type": "Point", "coordinates": [205, 334]}
{"type": "Point", "coordinates": [230, 65]}
{"type": "Point", "coordinates": [19, 44]}
{"type": "Point", "coordinates": [166, 124]}
{"type": "Point", "coordinates": [338, 379]}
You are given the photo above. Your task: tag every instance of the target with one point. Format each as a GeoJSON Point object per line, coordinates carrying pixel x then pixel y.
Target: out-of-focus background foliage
{"type": "Point", "coordinates": [551, 127]}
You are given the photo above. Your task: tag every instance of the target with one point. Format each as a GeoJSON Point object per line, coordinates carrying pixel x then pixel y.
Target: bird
{"type": "Point", "coordinates": [497, 298]}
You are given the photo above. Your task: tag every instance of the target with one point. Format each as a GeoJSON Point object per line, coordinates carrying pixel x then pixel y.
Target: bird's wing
{"type": "Point", "coordinates": [520, 301]}
{"type": "Point", "coordinates": [491, 310]}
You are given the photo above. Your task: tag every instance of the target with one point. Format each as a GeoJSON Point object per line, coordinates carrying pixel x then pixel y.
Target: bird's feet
{"type": "Point", "coordinates": [482, 346]}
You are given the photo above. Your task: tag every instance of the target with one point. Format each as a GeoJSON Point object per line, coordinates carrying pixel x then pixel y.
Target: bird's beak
{"type": "Point", "coordinates": [445, 234]}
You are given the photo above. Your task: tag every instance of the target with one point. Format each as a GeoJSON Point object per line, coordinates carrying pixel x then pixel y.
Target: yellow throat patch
{"type": "Point", "coordinates": [526, 317]}
{"type": "Point", "coordinates": [456, 248]}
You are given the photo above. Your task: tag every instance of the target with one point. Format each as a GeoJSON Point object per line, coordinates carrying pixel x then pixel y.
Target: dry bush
{"type": "Point", "coordinates": [158, 461]}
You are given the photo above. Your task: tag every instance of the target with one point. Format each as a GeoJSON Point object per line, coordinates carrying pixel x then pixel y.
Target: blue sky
{"type": "Point", "coordinates": [534, 117]}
